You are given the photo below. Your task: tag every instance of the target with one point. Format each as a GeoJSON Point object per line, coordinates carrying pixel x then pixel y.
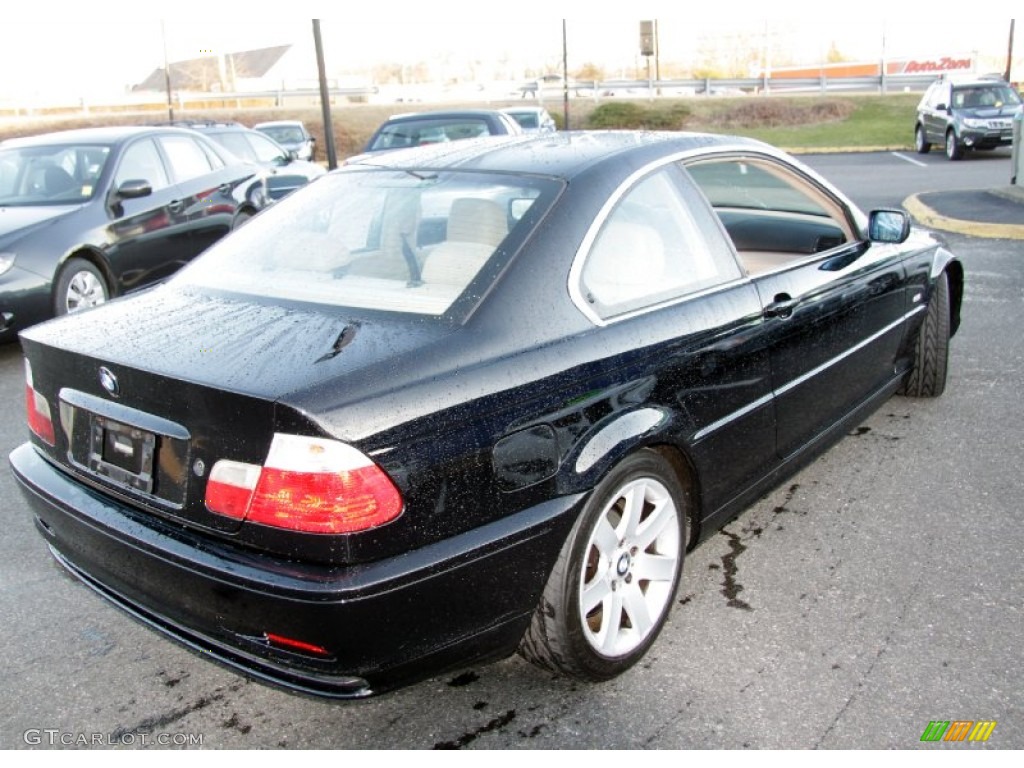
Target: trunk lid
{"type": "Point", "coordinates": [147, 393]}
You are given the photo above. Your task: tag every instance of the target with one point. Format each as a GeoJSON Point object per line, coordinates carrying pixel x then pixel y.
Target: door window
{"type": "Point", "coordinates": [775, 216]}
{"type": "Point", "coordinates": [142, 161]}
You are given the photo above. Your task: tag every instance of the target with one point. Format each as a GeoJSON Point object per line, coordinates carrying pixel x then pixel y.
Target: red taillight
{"type": "Point", "coordinates": [306, 484]}
{"type": "Point", "coordinates": [39, 420]}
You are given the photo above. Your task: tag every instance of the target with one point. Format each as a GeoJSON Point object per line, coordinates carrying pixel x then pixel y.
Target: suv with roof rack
{"type": "Point", "coordinates": [965, 114]}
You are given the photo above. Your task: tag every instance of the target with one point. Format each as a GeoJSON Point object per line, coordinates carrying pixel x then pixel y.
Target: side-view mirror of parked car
{"type": "Point", "coordinates": [888, 226]}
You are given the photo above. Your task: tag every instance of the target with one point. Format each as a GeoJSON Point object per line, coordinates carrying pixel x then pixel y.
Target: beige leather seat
{"type": "Point", "coordinates": [475, 228]}
{"type": "Point", "coordinates": [626, 263]}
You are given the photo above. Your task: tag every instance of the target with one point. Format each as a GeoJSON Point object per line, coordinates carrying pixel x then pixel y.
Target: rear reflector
{"type": "Point", "coordinates": [38, 410]}
{"type": "Point", "coordinates": [291, 644]}
{"type": "Point", "coordinates": [307, 484]}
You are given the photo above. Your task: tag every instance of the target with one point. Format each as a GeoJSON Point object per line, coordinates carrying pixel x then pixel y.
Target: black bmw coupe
{"type": "Point", "coordinates": [452, 402]}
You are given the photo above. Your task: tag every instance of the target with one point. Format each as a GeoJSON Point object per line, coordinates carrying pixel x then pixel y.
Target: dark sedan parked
{"type": "Point", "coordinates": [469, 399]}
{"type": "Point", "coordinates": [292, 135]}
{"type": "Point", "coordinates": [417, 129]}
{"type": "Point", "coordinates": [94, 213]}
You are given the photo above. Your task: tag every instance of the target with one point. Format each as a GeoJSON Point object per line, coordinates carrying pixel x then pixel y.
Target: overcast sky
{"type": "Point", "coordinates": [102, 48]}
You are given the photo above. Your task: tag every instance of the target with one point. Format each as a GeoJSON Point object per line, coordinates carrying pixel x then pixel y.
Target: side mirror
{"type": "Point", "coordinates": [133, 188]}
{"type": "Point", "coordinates": [888, 226]}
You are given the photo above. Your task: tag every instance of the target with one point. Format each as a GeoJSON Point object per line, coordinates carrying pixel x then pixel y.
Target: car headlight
{"type": "Point", "coordinates": [6, 262]}
{"type": "Point", "coordinates": [971, 122]}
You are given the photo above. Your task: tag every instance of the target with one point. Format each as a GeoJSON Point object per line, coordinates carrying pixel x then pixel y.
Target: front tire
{"type": "Point", "coordinates": [953, 149]}
{"type": "Point", "coordinates": [927, 377]}
{"type": "Point", "coordinates": [922, 146]}
{"type": "Point", "coordinates": [611, 590]}
{"type": "Point", "coordinates": [79, 285]}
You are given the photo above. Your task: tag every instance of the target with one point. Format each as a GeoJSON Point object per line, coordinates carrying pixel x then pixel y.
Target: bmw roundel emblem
{"type": "Point", "coordinates": [109, 381]}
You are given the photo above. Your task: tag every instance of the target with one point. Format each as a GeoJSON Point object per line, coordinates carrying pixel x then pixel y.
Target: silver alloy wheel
{"type": "Point", "coordinates": [628, 572]}
{"type": "Point", "coordinates": [84, 290]}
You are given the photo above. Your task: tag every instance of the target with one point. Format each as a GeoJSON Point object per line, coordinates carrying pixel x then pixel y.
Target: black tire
{"type": "Point", "coordinates": [953, 149]}
{"type": "Point", "coordinates": [927, 377]}
{"type": "Point", "coordinates": [79, 285]}
{"type": "Point", "coordinates": [240, 219]}
{"type": "Point", "coordinates": [922, 146]}
{"type": "Point", "coordinates": [634, 525]}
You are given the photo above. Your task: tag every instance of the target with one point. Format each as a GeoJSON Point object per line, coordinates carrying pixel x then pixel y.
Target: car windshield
{"type": "Point", "coordinates": [396, 241]}
{"type": "Point", "coordinates": [985, 96]}
{"type": "Point", "coordinates": [284, 134]}
{"type": "Point", "coordinates": [526, 119]}
{"type": "Point", "coordinates": [413, 133]}
{"type": "Point", "coordinates": [52, 174]}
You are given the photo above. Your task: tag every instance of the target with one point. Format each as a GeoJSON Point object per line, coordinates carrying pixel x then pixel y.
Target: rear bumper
{"type": "Point", "coordinates": [379, 625]}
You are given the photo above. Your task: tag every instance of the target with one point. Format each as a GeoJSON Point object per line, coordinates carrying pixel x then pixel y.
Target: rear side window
{"type": "Point", "coordinates": [659, 243]}
{"type": "Point", "coordinates": [266, 150]}
{"type": "Point", "coordinates": [387, 240]}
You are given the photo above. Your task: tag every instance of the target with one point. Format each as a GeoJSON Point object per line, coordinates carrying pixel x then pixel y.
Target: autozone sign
{"type": "Point", "coordinates": [944, 64]}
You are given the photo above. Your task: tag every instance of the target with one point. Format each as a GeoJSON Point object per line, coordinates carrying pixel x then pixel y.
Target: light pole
{"type": "Point", "coordinates": [1009, 53]}
{"type": "Point", "coordinates": [325, 98]}
{"type": "Point", "coordinates": [167, 74]}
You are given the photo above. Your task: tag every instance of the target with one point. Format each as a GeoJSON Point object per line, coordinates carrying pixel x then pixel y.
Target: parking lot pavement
{"type": "Point", "coordinates": [996, 213]}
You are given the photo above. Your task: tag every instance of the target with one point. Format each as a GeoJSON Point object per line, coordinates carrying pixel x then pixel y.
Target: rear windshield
{"type": "Point", "coordinates": [526, 119]}
{"type": "Point", "coordinates": [50, 174]}
{"type": "Point", "coordinates": [385, 240]}
{"type": "Point", "coordinates": [414, 133]}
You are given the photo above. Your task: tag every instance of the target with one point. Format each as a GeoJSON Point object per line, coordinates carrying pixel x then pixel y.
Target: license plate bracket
{"type": "Point", "coordinates": [122, 453]}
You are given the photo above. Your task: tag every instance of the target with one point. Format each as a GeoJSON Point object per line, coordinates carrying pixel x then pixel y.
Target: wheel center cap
{"type": "Point", "coordinates": [622, 567]}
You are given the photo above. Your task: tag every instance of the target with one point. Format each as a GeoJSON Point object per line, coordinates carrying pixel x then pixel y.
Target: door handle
{"type": "Point", "coordinates": [176, 206]}
{"type": "Point", "coordinates": [781, 307]}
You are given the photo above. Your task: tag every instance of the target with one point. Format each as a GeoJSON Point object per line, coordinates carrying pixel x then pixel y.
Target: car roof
{"type": "Point", "coordinates": [446, 113]}
{"type": "Point", "coordinates": [564, 154]}
{"type": "Point", "coordinates": [970, 79]}
{"type": "Point", "coordinates": [101, 135]}
{"type": "Point", "coordinates": [281, 123]}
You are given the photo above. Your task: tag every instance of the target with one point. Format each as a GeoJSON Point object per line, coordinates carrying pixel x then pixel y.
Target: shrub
{"type": "Point", "coordinates": [629, 115]}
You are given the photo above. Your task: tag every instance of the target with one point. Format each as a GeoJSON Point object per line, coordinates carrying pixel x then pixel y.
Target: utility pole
{"type": "Point", "coordinates": [167, 74]}
{"type": "Point", "coordinates": [565, 77]}
{"type": "Point", "coordinates": [1009, 53]}
{"type": "Point", "coordinates": [325, 98]}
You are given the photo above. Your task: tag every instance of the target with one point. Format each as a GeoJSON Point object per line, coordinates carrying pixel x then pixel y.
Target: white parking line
{"type": "Point", "coordinates": [901, 156]}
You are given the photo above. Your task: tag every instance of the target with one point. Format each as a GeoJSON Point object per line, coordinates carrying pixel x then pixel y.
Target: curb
{"type": "Point", "coordinates": [931, 218]}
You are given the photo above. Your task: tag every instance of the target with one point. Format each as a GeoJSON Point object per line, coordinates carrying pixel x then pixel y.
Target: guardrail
{"type": "Point", "coordinates": [732, 86]}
